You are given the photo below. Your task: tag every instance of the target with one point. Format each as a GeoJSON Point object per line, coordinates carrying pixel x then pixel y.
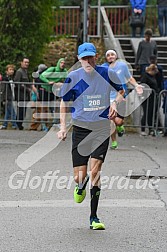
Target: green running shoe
{"type": "Point", "coordinates": [114, 145]}
{"type": "Point", "coordinates": [79, 194]}
{"type": "Point", "coordinates": [120, 130]}
{"type": "Point", "coordinates": [95, 224]}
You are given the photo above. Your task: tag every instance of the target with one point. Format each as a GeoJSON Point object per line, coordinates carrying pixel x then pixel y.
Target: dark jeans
{"type": "Point", "coordinates": [21, 112]}
{"type": "Point", "coordinates": [165, 119]}
{"type": "Point", "coordinates": [148, 117]}
{"type": "Point", "coordinates": [162, 20]}
{"type": "Point", "coordinates": [46, 96]}
{"type": "Point", "coordinates": [134, 31]}
{"type": "Point", "coordinates": [9, 114]}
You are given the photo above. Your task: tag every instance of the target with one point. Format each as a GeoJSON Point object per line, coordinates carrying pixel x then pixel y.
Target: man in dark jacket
{"type": "Point", "coordinates": [22, 90]}
{"type": "Point", "coordinates": [147, 47]}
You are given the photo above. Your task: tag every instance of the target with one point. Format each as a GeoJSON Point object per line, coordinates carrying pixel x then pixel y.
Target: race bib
{"type": "Point", "coordinates": [94, 102]}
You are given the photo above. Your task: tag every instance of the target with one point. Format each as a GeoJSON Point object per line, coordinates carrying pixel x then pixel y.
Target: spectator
{"type": "Point", "coordinates": [53, 77]}
{"type": "Point", "coordinates": [149, 105]}
{"type": "Point", "coordinates": [36, 97]}
{"type": "Point", "coordinates": [165, 118]}
{"type": "Point", "coordinates": [22, 90]}
{"type": "Point", "coordinates": [138, 7]}
{"type": "Point", "coordinates": [162, 17]}
{"type": "Point", "coordinates": [159, 76]}
{"type": "Point", "coordinates": [2, 112]}
{"type": "Point", "coordinates": [146, 48]}
{"type": "Point", "coordinates": [8, 97]}
{"type": "Point", "coordinates": [165, 108]}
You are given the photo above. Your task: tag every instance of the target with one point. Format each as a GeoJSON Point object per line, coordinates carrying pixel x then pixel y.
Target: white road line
{"type": "Point", "coordinates": [130, 203]}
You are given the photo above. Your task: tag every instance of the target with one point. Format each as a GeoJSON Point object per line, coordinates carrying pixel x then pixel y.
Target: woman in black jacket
{"type": "Point", "coordinates": [149, 105]}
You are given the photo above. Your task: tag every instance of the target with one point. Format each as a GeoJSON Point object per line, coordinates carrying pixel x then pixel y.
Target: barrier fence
{"type": "Point", "coordinates": [67, 20]}
{"type": "Point", "coordinates": [162, 111]}
{"type": "Point", "coordinates": [18, 105]}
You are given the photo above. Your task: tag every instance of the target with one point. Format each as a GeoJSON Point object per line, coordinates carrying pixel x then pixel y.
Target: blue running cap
{"type": "Point", "coordinates": [86, 49]}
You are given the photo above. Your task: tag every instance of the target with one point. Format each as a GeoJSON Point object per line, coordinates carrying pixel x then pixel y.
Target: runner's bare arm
{"type": "Point", "coordinates": [138, 87]}
{"type": "Point", "coordinates": [62, 133]}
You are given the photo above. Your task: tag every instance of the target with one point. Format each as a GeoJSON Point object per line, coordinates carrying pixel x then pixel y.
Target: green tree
{"type": "Point", "coordinates": [25, 28]}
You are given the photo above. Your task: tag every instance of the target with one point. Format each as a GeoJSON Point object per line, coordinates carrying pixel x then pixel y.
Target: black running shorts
{"type": "Point", "coordinates": [122, 117]}
{"type": "Point", "coordinates": [87, 143]}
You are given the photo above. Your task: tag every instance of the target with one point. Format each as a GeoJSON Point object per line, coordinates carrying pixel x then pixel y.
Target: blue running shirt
{"type": "Point", "coordinates": [90, 93]}
{"type": "Point", "coordinates": [123, 74]}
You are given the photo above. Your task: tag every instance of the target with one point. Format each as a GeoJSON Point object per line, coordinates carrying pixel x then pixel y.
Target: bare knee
{"type": "Point", "coordinates": [79, 175]}
{"type": "Point", "coordinates": [118, 121]}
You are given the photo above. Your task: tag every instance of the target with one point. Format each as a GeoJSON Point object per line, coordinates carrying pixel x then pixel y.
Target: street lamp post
{"type": "Point", "coordinates": [98, 18]}
{"type": "Point", "coordinates": [85, 26]}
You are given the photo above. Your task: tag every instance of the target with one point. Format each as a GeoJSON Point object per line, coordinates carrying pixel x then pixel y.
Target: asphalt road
{"type": "Point", "coordinates": [37, 212]}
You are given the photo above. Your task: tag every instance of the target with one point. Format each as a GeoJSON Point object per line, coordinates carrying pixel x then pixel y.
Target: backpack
{"type": "Point", "coordinates": [137, 20]}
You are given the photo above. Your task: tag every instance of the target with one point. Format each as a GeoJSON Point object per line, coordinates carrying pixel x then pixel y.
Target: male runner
{"type": "Point", "coordinates": [89, 87]}
{"type": "Point", "coordinates": [125, 77]}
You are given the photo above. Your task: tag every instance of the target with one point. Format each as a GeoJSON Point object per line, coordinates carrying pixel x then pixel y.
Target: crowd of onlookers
{"type": "Point", "coordinates": [146, 60]}
{"type": "Point", "coordinates": [17, 86]}
{"type": "Point", "coordinates": [152, 74]}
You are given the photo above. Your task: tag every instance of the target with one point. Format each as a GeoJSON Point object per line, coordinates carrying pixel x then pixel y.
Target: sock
{"type": "Point", "coordinates": [95, 193]}
{"type": "Point", "coordinates": [82, 185]}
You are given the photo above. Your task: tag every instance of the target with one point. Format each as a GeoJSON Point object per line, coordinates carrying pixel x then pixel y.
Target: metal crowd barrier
{"type": "Point", "coordinates": [161, 120]}
{"type": "Point", "coordinates": [145, 111]}
{"type": "Point", "coordinates": [17, 98]}
{"type": "Point", "coordinates": [45, 110]}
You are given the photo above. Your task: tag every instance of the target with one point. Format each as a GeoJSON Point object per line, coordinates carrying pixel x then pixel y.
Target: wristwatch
{"type": "Point", "coordinates": [116, 102]}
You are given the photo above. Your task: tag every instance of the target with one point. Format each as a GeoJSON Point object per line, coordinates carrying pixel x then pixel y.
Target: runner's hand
{"type": "Point", "coordinates": [139, 89]}
{"type": "Point", "coordinates": [62, 134]}
{"type": "Point", "coordinates": [112, 111]}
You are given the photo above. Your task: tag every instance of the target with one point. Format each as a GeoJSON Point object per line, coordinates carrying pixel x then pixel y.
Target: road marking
{"type": "Point", "coordinates": [130, 203]}
{"type": "Point", "coordinates": [16, 142]}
